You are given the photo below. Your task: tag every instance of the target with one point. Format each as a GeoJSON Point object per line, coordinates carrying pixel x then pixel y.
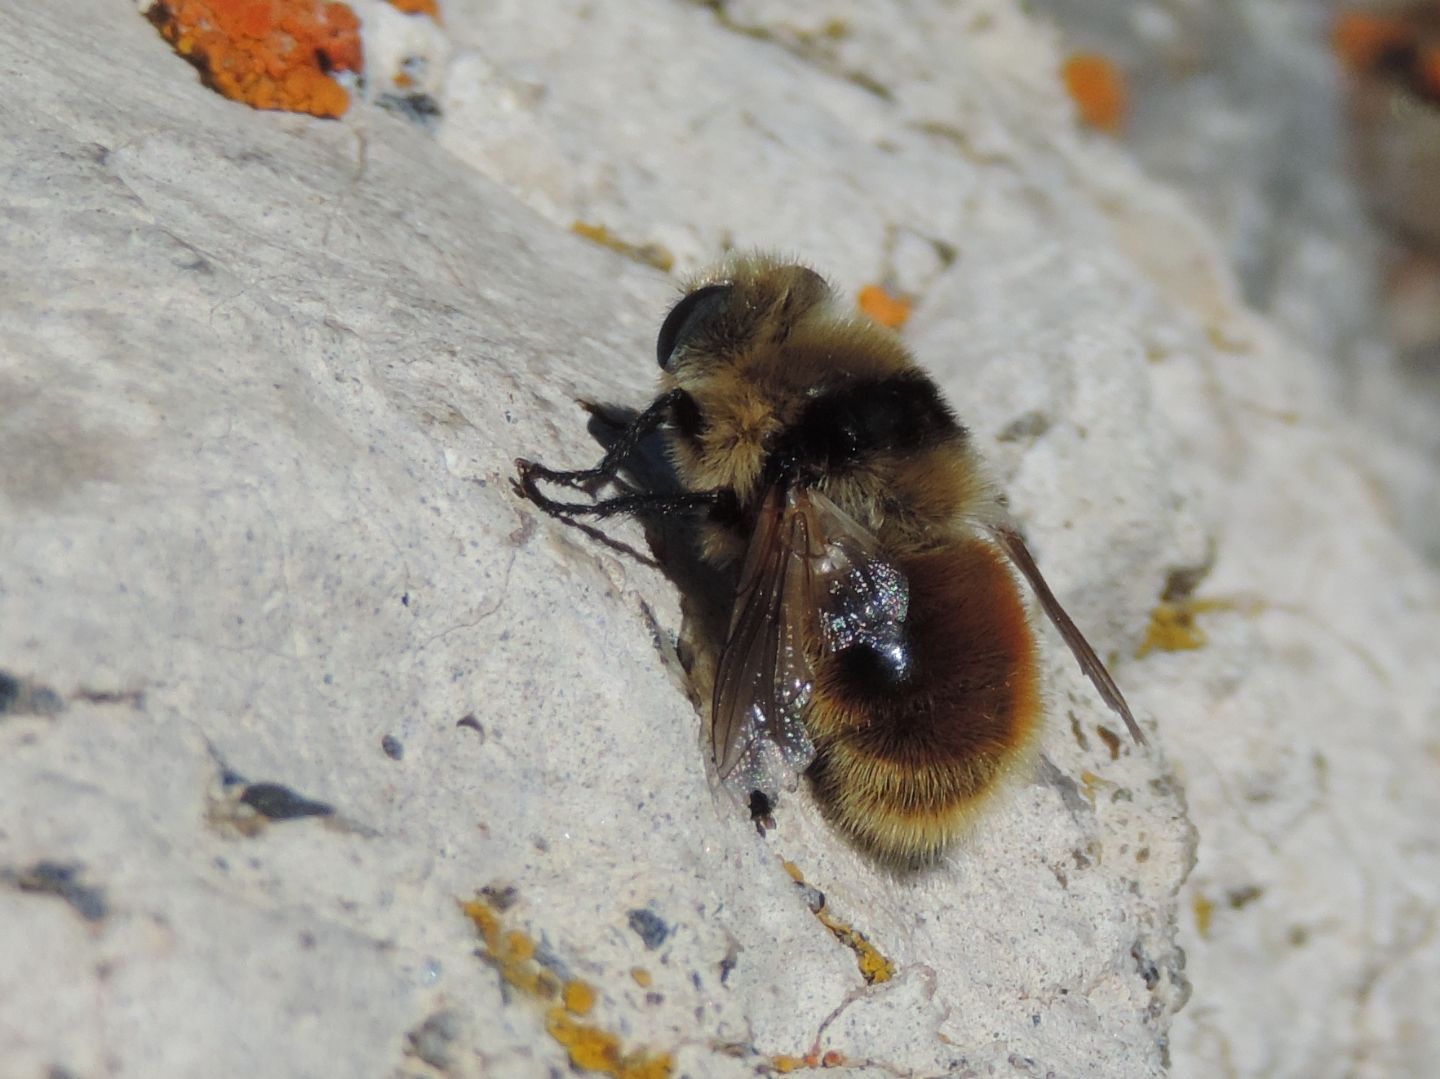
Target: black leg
{"type": "Point", "coordinates": [720, 503]}
{"type": "Point", "coordinates": [662, 503]}
{"type": "Point", "coordinates": [624, 446]}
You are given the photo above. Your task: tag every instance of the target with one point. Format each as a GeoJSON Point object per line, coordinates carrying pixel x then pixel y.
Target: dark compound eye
{"type": "Point", "coordinates": [686, 317]}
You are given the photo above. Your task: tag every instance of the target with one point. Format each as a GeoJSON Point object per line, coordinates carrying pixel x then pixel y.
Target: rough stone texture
{"type": "Point", "coordinates": [262, 380]}
{"type": "Point", "coordinates": [1245, 109]}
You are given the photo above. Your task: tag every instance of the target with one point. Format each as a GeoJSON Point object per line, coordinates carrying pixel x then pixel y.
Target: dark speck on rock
{"type": "Point", "coordinates": [1025, 428]}
{"type": "Point", "coordinates": [55, 878]}
{"type": "Point", "coordinates": [649, 927]}
{"type": "Point", "coordinates": [278, 802]}
{"type": "Point", "coordinates": [21, 698]}
{"type": "Point", "coordinates": [422, 110]}
{"type": "Point", "coordinates": [434, 1042]}
{"type": "Point", "coordinates": [393, 747]}
{"type": "Point", "coordinates": [500, 896]}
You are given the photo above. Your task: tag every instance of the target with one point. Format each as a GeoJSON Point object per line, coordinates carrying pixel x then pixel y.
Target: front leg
{"type": "Point", "coordinates": [618, 453]}
{"type": "Point", "coordinates": [721, 502]}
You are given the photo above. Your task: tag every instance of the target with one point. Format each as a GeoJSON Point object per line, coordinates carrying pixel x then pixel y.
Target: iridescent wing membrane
{"type": "Point", "coordinates": [813, 582]}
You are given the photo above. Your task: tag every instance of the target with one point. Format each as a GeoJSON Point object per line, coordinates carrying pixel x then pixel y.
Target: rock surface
{"type": "Point", "coordinates": [290, 672]}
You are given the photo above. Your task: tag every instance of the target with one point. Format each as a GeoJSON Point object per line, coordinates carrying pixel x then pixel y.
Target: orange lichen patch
{"type": "Point", "coordinates": [884, 307]}
{"type": "Point", "coordinates": [874, 967]}
{"type": "Point", "coordinates": [1099, 91]}
{"type": "Point", "coordinates": [418, 7]}
{"type": "Point", "coordinates": [1428, 70]}
{"type": "Point", "coordinates": [1362, 38]}
{"type": "Point", "coordinates": [590, 1048]}
{"type": "Point", "coordinates": [1401, 47]}
{"type": "Point", "coordinates": [271, 54]}
{"type": "Point", "coordinates": [785, 1063]}
{"type": "Point", "coordinates": [650, 254]}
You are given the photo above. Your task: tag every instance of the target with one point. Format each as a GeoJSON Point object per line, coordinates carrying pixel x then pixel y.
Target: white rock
{"type": "Point", "coordinates": [262, 381]}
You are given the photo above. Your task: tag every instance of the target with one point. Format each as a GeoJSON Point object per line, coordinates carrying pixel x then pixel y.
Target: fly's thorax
{"type": "Point", "coordinates": [751, 360]}
{"type": "Point", "coordinates": [720, 432]}
{"type": "Point", "coordinates": [914, 501]}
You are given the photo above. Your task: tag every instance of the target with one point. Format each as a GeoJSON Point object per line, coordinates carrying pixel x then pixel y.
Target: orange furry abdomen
{"type": "Point", "coordinates": [903, 768]}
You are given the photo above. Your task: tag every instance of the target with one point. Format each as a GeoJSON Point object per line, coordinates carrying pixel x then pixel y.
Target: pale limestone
{"type": "Point", "coordinates": [264, 378]}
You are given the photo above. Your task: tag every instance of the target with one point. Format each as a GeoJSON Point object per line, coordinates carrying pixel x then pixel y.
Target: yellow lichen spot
{"type": "Point", "coordinates": [1204, 914]}
{"type": "Point", "coordinates": [596, 1050]}
{"type": "Point", "coordinates": [578, 997]}
{"type": "Point", "coordinates": [655, 1066]}
{"type": "Point", "coordinates": [590, 1048]}
{"type": "Point", "coordinates": [885, 307]}
{"type": "Point", "coordinates": [787, 1064]}
{"type": "Point", "coordinates": [650, 254]}
{"type": "Point", "coordinates": [1173, 627]}
{"type": "Point", "coordinates": [486, 921]}
{"type": "Point", "coordinates": [642, 977]}
{"type": "Point", "coordinates": [519, 946]}
{"type": "Point", "coordinates": [1091, 784]}
{"type": "Point", "coordinates": [874, 967]}
{"type": "Point", "coordinates": [1235, 339]}
{"type": "Point", "coordinates": [522, 976]}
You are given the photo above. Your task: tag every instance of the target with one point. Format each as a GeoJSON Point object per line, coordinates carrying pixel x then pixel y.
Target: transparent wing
{"type": "Point", "coordinates": [860, 597]}
{"type": "Point", "coordinates": [764, 678]}
{"type": "Point", "coordinates": [1010, 541]}
{"type": "Point", "coordinates": [813, 582]}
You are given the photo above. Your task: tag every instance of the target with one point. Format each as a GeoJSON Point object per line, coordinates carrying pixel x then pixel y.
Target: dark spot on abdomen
{"type": "Point", "coordinates": [870, 669]}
